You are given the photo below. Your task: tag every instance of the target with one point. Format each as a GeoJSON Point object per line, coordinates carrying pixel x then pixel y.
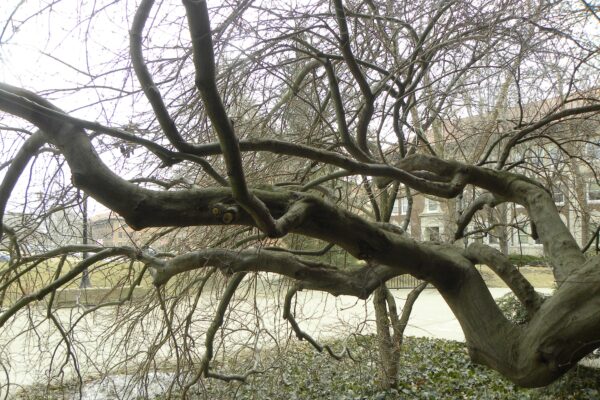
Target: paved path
{"type": "Point", "coordinates": [319, 314]}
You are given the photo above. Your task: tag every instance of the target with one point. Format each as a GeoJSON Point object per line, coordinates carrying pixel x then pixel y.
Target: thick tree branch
{"type": "Point", "coordinates": [340, 114]}
{"type": "Point", "coordinates": [468, 213]}
{"type": "Point", "coordinates": [560, 247]}
{"type": "Point", "coordinates": [40, 112]}
{"type": "Point", "coordinates": [359, 282]}
{"type": "Point", "coordinates": [148, 86]}
{"type": "Point", "coordinates": [501, 265]}
{"type": "Point", "coordinates": [366, 113]}
{"type": "Point", "coordinates": [319, 252]}
{"type": "Point", "coordinates": [204, 63]}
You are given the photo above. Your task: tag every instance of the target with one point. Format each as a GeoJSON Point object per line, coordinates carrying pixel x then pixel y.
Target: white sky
{"type": "Point", "coordinates": [29, 58]}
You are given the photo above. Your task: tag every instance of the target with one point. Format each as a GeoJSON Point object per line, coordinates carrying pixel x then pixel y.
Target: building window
{"type": "Point", "coordinates": [524, 234]}
{"type": "Point", "coordinates": [592, 150]}
{"type": "Point", "coordinates": [545, 156]}
{"type": "Point", "coordinates": [593, 192]}
{"type": "Point", "coordinates": [535, 155]}
{"type": "Point", "coordinates": [400, 206]}
{"type": "Point", "coordinates": [404, 206]}
{"type": "Point", "coordinates": [556, 156]}
{"type": "Point", "coordinates": [432, 233]}
{"type": "Point", "coordinates": [432, 206]}
{"type": "Point", "coordinates": [558, 196]}
{"type": "Point", "coordinates": [592, 234]}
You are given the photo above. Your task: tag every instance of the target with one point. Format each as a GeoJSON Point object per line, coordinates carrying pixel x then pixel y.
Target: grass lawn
{"type": "Point", "coordinates": [102, 275]}
{"type": "Point", "coordinates": [112, 280]}
{"type": "Point", "coordinates": [539, 277]}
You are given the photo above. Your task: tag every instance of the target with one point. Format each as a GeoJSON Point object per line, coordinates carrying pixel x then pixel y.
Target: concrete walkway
{"type": "Point", "coordinates": [27, 360]}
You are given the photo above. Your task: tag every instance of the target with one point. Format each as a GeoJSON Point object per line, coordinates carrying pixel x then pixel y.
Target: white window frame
{"type": "Point", "coordinates": [555, 191]}
{"type": "Point", "coordinates": [439, 232]}
{"type": "Point", "coordinates": [429, 203]}
{"type": "Point", "coordinates": [588, 191]}
{"type": "Point", "coordinates": [592, 150]}
{"type": "Point", "coordinates": [400, 206]}
{"type": "Point", "coordinates": [537, 156]}
{"type": "Point", "coordinates": [492, 239]}
{"type": "Point", "coordinates": [403, 206]}
{"type": "Point", "coordinates": [524, 235]}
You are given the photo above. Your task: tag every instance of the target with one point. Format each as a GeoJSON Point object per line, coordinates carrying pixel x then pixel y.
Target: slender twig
{"type": "Point", "coordinates": [301, 335]}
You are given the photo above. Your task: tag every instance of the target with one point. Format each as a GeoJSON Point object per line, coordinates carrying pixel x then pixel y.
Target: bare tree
{"type": "Point", "coordinates": [248, 127]}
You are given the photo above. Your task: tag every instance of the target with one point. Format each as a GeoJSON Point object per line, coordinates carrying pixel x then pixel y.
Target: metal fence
{"type": "Point", "coordinates": [403, 282]}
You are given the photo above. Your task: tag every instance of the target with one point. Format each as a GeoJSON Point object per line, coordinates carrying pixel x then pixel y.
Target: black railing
{"type": "Point", "coordinates": [403, 282]}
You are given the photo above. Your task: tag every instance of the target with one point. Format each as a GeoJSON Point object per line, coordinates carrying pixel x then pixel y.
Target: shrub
{"type": "Point", "coordinates": [524, 259]}
{"type": "Point", "coordinates": [512, 308]}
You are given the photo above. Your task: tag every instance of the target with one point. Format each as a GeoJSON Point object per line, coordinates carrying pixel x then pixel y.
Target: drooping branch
{"type": "Point", "coordinates": [340, 114]}
{"type": "Point", "coordinates": [318, 181]}
{"type": "Point", "coordinates": [16, 168]}
{"type": "Point", "coordinates": [300, 334]}
{"type": "Point", "coordinates": [40, 112]}
{"type": "Point", "coordinates": [556, 116]}
{"type": "Point", "coordinates": [146, 208]}
{"type": "Point", "coordinates": [152, 92]}
{"type": "Point", "coordinates": [148, 86]}
{"type": "Point", "coordinates": [366, 113]}
{"type": "Point", "coordinates": [35, 261]}
{"type": "Point", "coordinates": [63, 280]}
{"type": "Point", "coordinates": [140, 206]}
{"type": "Point", "coordinates": [204, 63]}
{"type": "Point", "coordinates": [211, 332]}
{"type": "Point", "coordinates": [294, 88]}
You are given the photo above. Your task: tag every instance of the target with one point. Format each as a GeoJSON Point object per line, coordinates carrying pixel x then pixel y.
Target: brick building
{"type": "Point", "coordinates": [572, 179]}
